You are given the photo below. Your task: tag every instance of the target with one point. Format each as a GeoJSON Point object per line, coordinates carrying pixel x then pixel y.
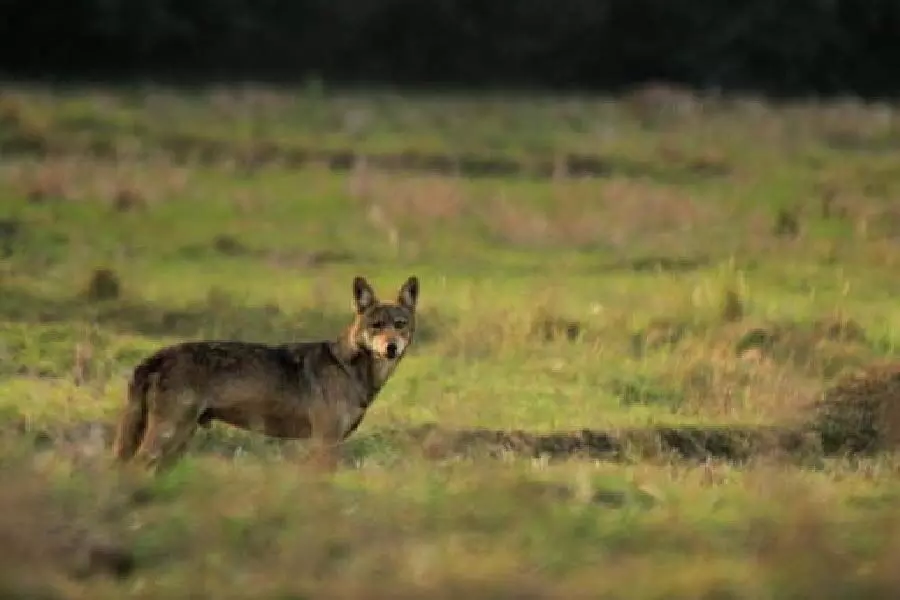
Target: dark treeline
{"type": "Point", "coordinates": [774, 46]}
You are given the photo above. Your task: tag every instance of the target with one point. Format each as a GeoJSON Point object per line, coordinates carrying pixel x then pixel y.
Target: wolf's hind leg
{"type": "Point", "coordinates": [171, 425]}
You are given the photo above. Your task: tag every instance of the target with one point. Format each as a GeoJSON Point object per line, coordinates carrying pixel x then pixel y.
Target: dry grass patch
{"type": "Point", "coordinates": [824, 348]}
{"type": "Point", "coordinates": [615, 212]}
{"type": "Point", "coordinates": [612, 212]}
{"type": "Point", "coordinates": [765, 371]}
{"type": "Point", "coordinates": [122, 185]}
{"type": "Point", "coordinates": [408, 201]}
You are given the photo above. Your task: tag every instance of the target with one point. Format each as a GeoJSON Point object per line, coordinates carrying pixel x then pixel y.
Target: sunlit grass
{"type": "Point", "coordinates": [701, 282]}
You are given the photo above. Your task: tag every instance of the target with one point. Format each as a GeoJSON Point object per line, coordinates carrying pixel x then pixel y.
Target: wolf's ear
{"type": "Point", "coordinates": [409, 293]}
{"type": "Point", "coordinates": [363, 294]}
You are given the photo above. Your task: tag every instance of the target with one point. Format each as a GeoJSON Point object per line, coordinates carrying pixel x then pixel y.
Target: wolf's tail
{"type": "Point", "coordinates": [133, 420]}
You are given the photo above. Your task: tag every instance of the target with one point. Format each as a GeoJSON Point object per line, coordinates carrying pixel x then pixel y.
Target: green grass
{"type": "Point", "coordinates": [550, 305]}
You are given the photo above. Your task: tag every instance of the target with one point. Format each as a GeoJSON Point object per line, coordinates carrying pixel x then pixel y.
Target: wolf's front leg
{"type": "Point", "coordinates": [327, 435]}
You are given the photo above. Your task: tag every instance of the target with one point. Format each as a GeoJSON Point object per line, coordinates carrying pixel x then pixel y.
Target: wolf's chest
{"type": "Point", "coordinates": [350, 420]}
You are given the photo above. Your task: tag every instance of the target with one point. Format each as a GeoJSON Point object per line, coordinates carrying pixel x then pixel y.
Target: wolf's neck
{"type": "Point", "coordinates": [368, 370]}
{"type": "Point", "coordinates": [374, 370]}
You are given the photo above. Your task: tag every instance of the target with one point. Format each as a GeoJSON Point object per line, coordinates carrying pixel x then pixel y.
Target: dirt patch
{"type": "Point", "coordinates": [434, 442]}
{"type": "Point", "coordinates": [686, 443]}
{"type": "Point", "coordinates": [787, 224]}
{"type": "Point", "coordinates": [311, 259]}
{"type": "Point", "coordinates": [667, 264]}
{"type": "Point", "coordinates": [861, 412]}
{"type": "Point", "coordinates": [104, 284]}
{"type": "Point", "coordinates": [10, 232]}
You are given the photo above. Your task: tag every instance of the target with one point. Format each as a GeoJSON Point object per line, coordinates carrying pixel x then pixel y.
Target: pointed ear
{"type": "Point", "coordinates": [409, 293]}
{"type": "Point", "coordinates": [363, 294]}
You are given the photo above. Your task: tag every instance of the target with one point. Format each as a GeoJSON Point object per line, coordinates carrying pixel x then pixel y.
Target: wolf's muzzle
{"type": "Point", "coordinates": [392, 350]}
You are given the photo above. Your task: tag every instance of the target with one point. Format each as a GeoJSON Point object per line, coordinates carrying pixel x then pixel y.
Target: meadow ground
{"type": "Point", "coordinates": [632, 310]}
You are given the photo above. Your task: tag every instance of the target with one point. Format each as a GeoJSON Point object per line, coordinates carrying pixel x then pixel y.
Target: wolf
{"type": "Point", "coordinates": [314, 390]}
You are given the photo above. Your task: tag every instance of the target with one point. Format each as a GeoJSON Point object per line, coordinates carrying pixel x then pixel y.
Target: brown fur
{"type": "Point", "coordinates": [316, 389]}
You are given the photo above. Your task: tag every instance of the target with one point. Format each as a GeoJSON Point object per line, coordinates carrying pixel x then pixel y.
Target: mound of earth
{"type": "Point", "coordinates": [861, 413]}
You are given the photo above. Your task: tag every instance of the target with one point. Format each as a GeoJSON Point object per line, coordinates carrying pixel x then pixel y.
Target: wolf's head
{"type": "Point", "coordinates": [384, 329]}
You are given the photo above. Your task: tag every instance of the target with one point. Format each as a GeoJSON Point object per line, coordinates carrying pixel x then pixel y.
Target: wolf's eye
{"type": "Point", "coordinates": [399, 323]}
{"type": "Point", "coordinates": [378, 325]}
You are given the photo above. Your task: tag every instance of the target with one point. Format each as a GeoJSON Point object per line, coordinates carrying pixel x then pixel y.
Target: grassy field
{"type": "Point", "coordinates": [632, 310]}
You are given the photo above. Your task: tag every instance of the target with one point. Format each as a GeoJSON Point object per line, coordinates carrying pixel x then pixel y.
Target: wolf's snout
{"type": "Point", "coordinates": [391, 350]}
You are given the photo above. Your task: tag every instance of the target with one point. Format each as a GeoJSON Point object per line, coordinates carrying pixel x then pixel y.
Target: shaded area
{"type": "Point", "coordinates": [219, 316]}
{"type": "Point", "coordinates": [230, 246]}
{"type": "Point", "coordinates": [662, 264]}
{"type": "Point", "coordinates": [209, 151]}
{"type": "Point", "coordinates": [854, 141]}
